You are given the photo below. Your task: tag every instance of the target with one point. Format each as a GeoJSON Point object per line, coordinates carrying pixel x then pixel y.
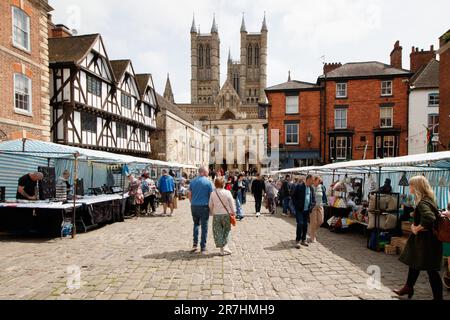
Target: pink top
{"type": "Point", "coordinates": [216, 206]}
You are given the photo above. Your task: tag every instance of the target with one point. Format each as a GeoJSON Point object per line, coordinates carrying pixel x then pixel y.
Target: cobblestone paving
{"type": "Point", "coordinates": [148, 258]}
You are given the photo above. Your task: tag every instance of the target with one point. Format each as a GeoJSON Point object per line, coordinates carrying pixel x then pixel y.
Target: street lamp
{"type": "Point", "coordinates": [310, 137]}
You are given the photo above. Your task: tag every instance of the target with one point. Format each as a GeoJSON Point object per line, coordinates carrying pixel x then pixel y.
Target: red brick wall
{"type": "Point", "coordinates": [444, 107]}
{"type": "Point", "coordinates": [364, 99]}
{"type": "Point", "coordinates": [396, 56]}
{"type": "Point", "coordinates": [14, 60]}
{"type": "Point", "coordinates": [421, 58]}
{"type": "Point", "coordinates": [309, 117]}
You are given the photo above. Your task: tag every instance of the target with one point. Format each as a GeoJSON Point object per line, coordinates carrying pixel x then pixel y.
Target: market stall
{"type": "Point", "coordinates": [357, 196]}
{"type": "Point", "coordinates": [97, 178]}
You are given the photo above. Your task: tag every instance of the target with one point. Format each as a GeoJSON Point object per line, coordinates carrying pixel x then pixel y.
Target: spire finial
{"type": "Point", "coordinates": [193, 28]}
{"type": "Point", "coordinates": [214, 28]}
{"type": "Point", "coordinates": [243, 28]}
{"type": "Point", "coordinates": [264, 25]}
{"type": "Point", "coordinates": [229, 55]}
{"type": "Point", "coordinates": [168, 93]}
{"type": "Point", "coordinates": [289, 77]}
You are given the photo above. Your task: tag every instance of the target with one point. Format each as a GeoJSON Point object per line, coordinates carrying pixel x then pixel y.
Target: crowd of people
{"type": "Point", "coordinates": [222, 195]}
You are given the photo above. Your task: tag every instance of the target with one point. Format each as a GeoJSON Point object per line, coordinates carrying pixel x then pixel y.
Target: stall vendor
{"type": "Point", "coordinates": [63, 182]}
{"type": "Point", "coordinates": [27, 186]}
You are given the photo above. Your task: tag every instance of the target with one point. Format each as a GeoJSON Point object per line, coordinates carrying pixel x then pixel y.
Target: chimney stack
{"type": "Point", "coordinates": [396, 56]}
{"type": "Point", "coordinates": [421, 58]}
{"type": "Point", "coordinates": [328, 67]}
{"type": "Point", "coordinates": [60, 31]}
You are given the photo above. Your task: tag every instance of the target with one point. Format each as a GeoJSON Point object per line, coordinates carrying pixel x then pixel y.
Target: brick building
{"type": "Point", "coordinates": [295, 110]}
{"type": "Point", "coordinates": [24, 80]}
{"type": "Point", "coordinates": [366, 110]}
{"type": "Point", "coordinates": [444, 91]}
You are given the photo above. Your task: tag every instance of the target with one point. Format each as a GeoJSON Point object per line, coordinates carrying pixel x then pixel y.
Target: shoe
{"type": "Point", "coordinates": [221, 252]}
{"type": "Point", "coordinates": [298, 245]}
{"type": "Point", "coordinates": [405, 291]}
{"type": "Point", "coordinates": [227, 251]}
{"type": "Point", "coordinates": [194, 249]}
{"type": "Point", "coordinates": [258, 214]}
{"type": "Point", "coordinates": [447, 280]}
{"type": "Point", "coordinates": [204, 252]}
{"type": "Point", "coordinates": [305, 244]}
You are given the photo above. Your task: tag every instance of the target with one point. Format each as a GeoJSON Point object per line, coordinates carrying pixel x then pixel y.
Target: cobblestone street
{"type": "Point", "coordinates": [148, 258]}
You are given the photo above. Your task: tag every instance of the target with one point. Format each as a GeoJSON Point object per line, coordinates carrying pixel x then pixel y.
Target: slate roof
{"type": "Point", "coordinates": [365, 69]}
{"type": "Point", "coordinates": [427, 76]}
{"type": "Point", "coordinates": [70, 49]}
{"type": "Point", "coordinates": [293, 85]}
{"type": "Point", "coordinates": [119, 67]}
{"type": "Point", "coordinates": [164, 104]}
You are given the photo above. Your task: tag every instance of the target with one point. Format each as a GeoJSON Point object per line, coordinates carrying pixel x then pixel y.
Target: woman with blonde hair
{"type": "Point", "coordinates": [423, 251]}
{"type": "Point", "coordinates": [221, 205]}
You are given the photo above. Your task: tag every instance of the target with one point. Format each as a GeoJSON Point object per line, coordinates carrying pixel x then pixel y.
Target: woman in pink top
{"type": "Point", "coordinates": [221, 205]}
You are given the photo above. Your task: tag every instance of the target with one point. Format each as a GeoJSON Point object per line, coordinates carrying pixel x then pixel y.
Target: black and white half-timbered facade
{"type": "Point", "coordinates": [97, 103]}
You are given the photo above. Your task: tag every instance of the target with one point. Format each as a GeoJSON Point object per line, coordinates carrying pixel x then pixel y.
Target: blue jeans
{"type": "Point", "coordinates": [302, 225]}
{"type": "Point", "coordinates": [288, 205]}
{"type": "Point", "coordinates": [200, 216]}
{"type": "Point", "coordinates": [239, 211]}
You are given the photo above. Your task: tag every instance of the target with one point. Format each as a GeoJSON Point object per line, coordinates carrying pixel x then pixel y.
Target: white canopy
{"type": "Point", "coordinates": [50, 150]}
{"type": "Point", "coordinates": [421, 162]}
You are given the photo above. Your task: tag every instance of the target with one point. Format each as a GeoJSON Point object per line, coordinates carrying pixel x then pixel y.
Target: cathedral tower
{"type": "Point", "coordinates": [253, 65]}
{"type": "Point", "coordinates": [205, 62]}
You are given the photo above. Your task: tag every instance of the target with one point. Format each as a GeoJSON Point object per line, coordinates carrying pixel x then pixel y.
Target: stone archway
{"type": "Point", "coordinates": [228, 115]}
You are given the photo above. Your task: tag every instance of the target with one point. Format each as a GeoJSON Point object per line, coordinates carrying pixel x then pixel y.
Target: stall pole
{"type": "Point", "coordinates": [75, 187]}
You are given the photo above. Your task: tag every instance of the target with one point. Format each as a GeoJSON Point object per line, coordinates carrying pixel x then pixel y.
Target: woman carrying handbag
{"type": "Point", "coordinates": [423, 251]}
{"type": "Point", "coordinates": [221, 205]}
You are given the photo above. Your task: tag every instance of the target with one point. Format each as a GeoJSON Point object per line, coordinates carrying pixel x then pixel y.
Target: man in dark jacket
{"type": "Point", "coordinates": [258, 190]}
{"type": "Point", "coordinates": [304, 202]}
{"type": "Point", "coordinates": [285, 194]}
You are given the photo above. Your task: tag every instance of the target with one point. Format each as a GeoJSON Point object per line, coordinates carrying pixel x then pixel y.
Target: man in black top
{"type": "Point", "coordinates": [258, 190]}
{"type": "Point", "coordinates": [27, 186]}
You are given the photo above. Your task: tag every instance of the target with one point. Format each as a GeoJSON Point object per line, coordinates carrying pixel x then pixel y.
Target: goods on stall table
{"type": "Point", "coordinates": [390, 250]}
{"type": "Point", "coordinates": [399, 243]}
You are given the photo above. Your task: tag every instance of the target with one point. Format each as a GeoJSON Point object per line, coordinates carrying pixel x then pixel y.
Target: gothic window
{"type": "Point", "coordinates": [236, 82]}
{"type": "Point", "coordinates": [200, 56]}
{"type": "Point", "coordinates": [250, 55]}
{"type": "Point", "coordinates": [257, 55]}
{"type": "Point", "coordinates": [209, 100]}
{"type": "Point", "coordinates": [208, 56]}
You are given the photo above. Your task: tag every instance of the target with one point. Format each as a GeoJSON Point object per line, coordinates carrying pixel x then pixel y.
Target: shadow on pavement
{"type": "Point", "coordinates": [180, 255]}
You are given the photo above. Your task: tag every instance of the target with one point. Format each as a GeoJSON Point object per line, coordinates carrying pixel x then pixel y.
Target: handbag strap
{"type": "Point", "coordinates": [220, 199]}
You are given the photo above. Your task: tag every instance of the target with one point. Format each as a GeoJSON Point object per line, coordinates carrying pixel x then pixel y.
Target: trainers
{"type": "Point", "coordinates": [194, 249]}
{"type": "Point", "coordinates": [258, 214]}
{"type": "Point", "coordinates": [305, 244]}
{"type": "Point", "coordinates": [298, 245]}
{"type": "Point", "coordinates": [204, 252]}
{"type": "Point", "coordinates": [227, 251]}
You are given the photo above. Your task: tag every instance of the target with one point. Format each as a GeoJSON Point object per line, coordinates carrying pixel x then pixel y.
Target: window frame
{"type": "Point", "coordinates": [297, 99]}
{"type": "Point", "coordinates": [91, 79]}
{"type": "Point", "coordinates": [90, 119]}
{"type": "Point", "coordinates": [288, 125]}
{"type": "Point", "coordinates": [385, 88]}
{"type": "Point", "coordinates": [338, 96]}
{"type": "Point", "coordinates": [430, 95]}
{"type": "Point", "coordinates": [29, 111]}
{"type": "Point", "coordinates": [385, 118]}
{"type": "Point", "coordinates": [129, 98]}
{"type": "Point", "coordinates": [123, 128]}
{"type": "Point", "coordinates": [341, 148]}
{"type": "Point", "coordinates": [15, 44]}
{"type": "Point", "coordinates": [341, 119]}
{"type": "Point", "coordinates": [435, 125]}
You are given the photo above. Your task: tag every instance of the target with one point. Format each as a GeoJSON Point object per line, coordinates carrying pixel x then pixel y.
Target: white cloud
{"type": "Point", "coordinates": [155, 34]}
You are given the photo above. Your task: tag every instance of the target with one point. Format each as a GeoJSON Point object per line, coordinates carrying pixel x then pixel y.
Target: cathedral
{"type": "Point", "coordinates": [234, 114]}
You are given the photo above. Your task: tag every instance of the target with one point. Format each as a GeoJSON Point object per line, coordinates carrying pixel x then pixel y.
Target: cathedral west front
{"type": "Point", "coordinates": [234, 113]}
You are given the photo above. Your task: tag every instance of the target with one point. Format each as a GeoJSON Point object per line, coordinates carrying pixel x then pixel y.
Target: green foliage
{"type": "Point", "coordinates": [446, 37]}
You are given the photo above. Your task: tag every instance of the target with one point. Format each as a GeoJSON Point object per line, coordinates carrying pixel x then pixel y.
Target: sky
{"type": "Point", "coordinates": [303, 34]}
